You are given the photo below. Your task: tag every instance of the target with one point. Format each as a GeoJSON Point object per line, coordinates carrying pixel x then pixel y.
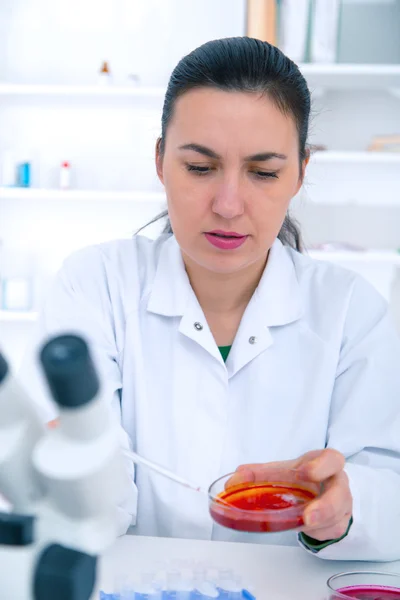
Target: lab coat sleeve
{"type": "Point", "coordinates": [364, 425]}
{"type": "Point", "coordinates": [79, 302]}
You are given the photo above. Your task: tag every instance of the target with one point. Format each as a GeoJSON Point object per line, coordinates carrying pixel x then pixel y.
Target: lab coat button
{"type": "Point", "coordinates": [198, 326]}
{"type": "Point", "coordinates": [252, 340]}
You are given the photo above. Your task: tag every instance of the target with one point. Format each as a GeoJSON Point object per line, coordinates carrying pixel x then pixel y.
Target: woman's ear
{"type": "Point", "coordinates": [305, 163]}
{"type": "Point", "coordinates": [159, 161]}
{"type": "Point", "coordinates": [303, 167]}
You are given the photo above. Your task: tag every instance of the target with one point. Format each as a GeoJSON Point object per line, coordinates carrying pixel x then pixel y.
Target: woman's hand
{"type": "Point", "coordinates": [328, 516]}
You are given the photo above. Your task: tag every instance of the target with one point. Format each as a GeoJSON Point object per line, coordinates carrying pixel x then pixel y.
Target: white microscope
{"type": "Point", "coordinates": [63, 484]}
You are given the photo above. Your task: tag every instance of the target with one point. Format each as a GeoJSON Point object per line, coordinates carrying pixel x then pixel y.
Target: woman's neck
{"type": "Point", "coordinates": [224, 296]}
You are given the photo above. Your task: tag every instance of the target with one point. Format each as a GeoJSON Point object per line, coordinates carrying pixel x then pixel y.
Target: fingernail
{"type": "Point", "coordinates": [312, 518]}
{"type": "Point", "coordinates": [308, 466]}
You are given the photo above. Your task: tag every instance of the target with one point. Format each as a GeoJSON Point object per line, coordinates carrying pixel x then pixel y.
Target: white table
{"type": "Point", "coordinates": [275, 572]}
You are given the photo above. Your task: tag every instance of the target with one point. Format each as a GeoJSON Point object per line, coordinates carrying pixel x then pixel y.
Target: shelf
{"type": "Point", "coordinates": [320, 157]}
{"type": "Point", "coordinates": [326, 157]}
{"type": "Point", "coordinates": [16, 89]}
{"type": "Point", "coordinates": [319, 76]}
{"type": "Point", "coordinates": [371, 256]}
{"type": "Point", "coordinates": [70, 195]}
{"type": "Point", "coordinates": [351, 76]}
{"type": "Point", "coordinates": [16, 316]}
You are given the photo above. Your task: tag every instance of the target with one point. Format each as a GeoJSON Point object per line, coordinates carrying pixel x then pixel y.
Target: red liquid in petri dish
{"type": "Point", "coordinates": [261, 507]}
{"type": "Point", "coordinates": [370, 592]}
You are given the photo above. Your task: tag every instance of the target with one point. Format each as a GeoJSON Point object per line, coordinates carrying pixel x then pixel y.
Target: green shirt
{"type": "Point", "coordinates": [225, 351]}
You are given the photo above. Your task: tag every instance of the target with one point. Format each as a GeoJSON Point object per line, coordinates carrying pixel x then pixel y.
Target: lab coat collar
{"type": "Point", "coordinates": [171, 286]}
{"type": "Point", "coordinates": [173, 296]}
{"type": "Point", "coordinates": [276, 300]}
{"type": "Point", "coordinates": [277, 297]}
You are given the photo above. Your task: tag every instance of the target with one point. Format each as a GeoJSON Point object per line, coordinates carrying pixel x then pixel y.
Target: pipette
{"type": "Point", "coordinates": [140, 460]}
{"type": "Point", "coordinates": [164, 472]}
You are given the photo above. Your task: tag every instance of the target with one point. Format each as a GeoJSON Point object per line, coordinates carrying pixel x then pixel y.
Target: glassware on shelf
{"type": "Point", "coordinates": [16, 280]}
{"type": "Point", "coordinates": [104, 74]}
{"type": "Point", "coordinates": [24, 174]}
{"type": "Point", "coordinates": [65, 175]}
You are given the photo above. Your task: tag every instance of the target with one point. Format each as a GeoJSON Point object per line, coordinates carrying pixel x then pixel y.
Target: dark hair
{"type": "Point", "coordinates": [243, 64]}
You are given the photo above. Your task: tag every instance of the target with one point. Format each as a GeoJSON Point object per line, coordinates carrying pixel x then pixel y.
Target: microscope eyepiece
{"type": "Point", "coordinates": [3, 368]}
{"type": "Point", "coordinates": [69, 371]}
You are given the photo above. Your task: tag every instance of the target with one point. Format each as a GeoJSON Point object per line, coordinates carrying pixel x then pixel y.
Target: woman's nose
{"type": "Point", "coordinates": [228, 200]}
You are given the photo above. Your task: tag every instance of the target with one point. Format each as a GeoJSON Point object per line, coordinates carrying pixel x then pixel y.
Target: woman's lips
{"type": "Point", "coordinates": [225, 240]}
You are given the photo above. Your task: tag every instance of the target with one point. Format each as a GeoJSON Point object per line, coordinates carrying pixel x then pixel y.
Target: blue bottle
{"type": "Point", "coordinates": [24, 175]}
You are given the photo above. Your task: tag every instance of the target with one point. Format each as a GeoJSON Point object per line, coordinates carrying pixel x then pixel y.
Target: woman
{"type": "Point", "coordinates": [221, 345]}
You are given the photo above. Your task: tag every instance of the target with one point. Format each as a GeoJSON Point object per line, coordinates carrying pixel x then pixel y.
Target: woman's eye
{"type": "Point", "coordinates": [198, 169]}
{"type": "Point", "coordinates": [266, 174]}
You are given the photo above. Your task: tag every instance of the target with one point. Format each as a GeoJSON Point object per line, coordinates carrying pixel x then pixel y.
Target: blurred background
{"type": "Point", "coordinates": [81, 93]}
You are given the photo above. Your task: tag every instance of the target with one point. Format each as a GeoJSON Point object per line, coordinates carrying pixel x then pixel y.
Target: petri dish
{"type": "Point", "coordinates": [364, 585]}
{"type": "Point", "coordinates": [275, 504]}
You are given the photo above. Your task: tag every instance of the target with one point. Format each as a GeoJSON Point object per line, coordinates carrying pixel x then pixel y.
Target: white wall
{"type": "Point", "coordinates": [59, 41]}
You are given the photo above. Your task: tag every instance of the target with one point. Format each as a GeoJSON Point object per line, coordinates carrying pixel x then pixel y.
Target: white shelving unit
{"type": "Point", "coordinates": [352, 178]}
{"type": "Point", "coordinates": [110, 91]}
{"type": "Point", "coordinates": [319, 76]}
{"type": "Point", "coordinates": [32, 194]}
{"type": "Point", "coordinates": [352, 76]}
{"type": "Point", "coordinates": [13, 316]}
{"type": "Point", "coordinates": [320, 158]}
{"type": "Point", "coordinates": [382, 158]}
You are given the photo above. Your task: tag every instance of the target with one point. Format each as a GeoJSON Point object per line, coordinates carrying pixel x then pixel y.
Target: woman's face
{"type": "Point", "coordinates": [230, 169]}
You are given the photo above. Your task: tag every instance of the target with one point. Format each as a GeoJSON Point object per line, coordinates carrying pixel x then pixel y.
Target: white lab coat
{"type": "Point", "coordinates": [324, 371]}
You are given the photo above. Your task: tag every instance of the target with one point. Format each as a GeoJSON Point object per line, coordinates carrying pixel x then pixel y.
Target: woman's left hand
{"type": "Point", "coordinates": [328, 516]}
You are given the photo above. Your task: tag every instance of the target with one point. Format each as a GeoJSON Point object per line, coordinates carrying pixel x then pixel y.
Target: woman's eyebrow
{"type": "Point", "coordinates": [261, 156]}
{"type": "Point", "coordinates": [201, 150]}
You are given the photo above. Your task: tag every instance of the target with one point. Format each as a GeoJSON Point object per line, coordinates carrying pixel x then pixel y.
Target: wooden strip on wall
{"type": "Point", "coordinates": [261, 20]}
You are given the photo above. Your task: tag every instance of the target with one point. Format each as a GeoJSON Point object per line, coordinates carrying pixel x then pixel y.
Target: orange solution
{"type": "Point", "coordinates": [261, 507]}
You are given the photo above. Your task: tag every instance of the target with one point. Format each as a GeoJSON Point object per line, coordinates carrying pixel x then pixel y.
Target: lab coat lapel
{"type": "Point", "coordinates": [194, 326]}
{"type": "Point", "coordinates": [276, 302]}
{"type": "Point", "coordinates": [171, 287]}
{"type": "Point", "coordinates": [173, 296]}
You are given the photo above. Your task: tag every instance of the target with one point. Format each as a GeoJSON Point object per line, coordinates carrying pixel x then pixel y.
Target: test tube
{"type": "Point", "coordinates": [230, 587]}
{"type": "Point", "coordinates": [207, 591]}
{"type": "Point", "coordinates": [178, 588]}
{"type": "Point", "coordinates": [141, 592]}
{"type": "Point", "coordinates": [246, 595]}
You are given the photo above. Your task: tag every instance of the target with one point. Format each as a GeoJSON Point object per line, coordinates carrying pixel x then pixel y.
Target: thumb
{"type": "Point", "coordinates": [243, 474]}
{"type": "Point", "coordinates": [322, 465]}
{"type": "Point", "coordinates": [303, 461]}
